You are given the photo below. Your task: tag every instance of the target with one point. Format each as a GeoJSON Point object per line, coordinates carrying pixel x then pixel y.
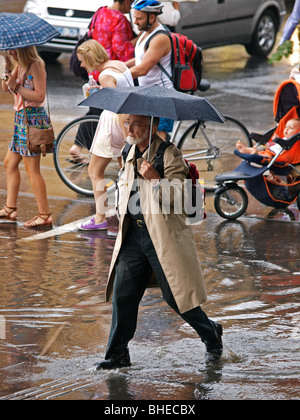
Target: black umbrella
{"type": "Point", "coordinates": [154, 101]}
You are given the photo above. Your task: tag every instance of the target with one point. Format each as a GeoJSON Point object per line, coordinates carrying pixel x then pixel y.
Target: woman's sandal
{"type": "Point", "coordinates": [47, 220]}
{"type": "Point", "coordinates": [9, 211]}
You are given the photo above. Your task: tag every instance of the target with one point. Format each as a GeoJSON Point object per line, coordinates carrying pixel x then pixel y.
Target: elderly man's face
{"type": "Point", "coordinates": [138, 128]}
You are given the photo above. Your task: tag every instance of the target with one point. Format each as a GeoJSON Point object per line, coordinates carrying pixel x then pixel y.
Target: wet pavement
{"type": "Point", "coordinates": [57, 323]}
{"type": "Point", "coordinates": [54, 323]}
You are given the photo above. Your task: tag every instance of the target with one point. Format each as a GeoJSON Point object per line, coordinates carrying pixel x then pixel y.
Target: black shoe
{"type": "Point", "coordinates": [214, 349]}
{"type": "Point", "coordinates": [117, 360]}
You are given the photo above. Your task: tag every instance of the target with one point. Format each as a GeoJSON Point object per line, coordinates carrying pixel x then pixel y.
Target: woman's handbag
{"type": "Point", "coordinates": [39, 140]}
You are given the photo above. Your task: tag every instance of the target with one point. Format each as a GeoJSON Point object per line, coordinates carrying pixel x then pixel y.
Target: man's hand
{"type": "Point", "coordinates": [148, 172]}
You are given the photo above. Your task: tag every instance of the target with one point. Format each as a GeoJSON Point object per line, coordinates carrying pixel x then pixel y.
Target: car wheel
{"type": "Point", "coordinates": [264, 36]}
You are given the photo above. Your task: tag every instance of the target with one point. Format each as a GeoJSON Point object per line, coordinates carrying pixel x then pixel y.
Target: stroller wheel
{"type": "Point", "coordinates": [231, 202]}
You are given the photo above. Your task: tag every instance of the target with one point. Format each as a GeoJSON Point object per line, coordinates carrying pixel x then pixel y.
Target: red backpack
{"type": "Point", "coordinates": [186, 61]}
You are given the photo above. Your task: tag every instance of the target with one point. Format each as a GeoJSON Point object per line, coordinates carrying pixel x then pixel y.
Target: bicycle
{"type": "Point", "coordinates": [74, 172]}
{"type": "Point", "coordinates": [209, 145]}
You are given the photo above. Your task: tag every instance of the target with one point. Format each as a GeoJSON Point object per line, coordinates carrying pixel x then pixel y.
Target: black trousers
{"type": "Point", "coordinates": [137, 259]}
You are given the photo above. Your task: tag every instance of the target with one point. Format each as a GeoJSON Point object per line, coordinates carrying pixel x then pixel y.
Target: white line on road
{"type": "Point", "coordinates": [58, 231]}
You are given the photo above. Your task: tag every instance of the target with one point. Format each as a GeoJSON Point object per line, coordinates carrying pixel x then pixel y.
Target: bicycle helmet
{"type": "Point", "coordinates": [148, 6]}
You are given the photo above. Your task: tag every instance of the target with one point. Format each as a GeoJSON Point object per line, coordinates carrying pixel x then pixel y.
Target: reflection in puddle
{"type": "Point", "coordinates": [57, 324]}
{"type": "Point", "coordinates": [52, 291]}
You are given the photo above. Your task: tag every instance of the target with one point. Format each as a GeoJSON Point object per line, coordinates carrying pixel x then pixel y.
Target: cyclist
{"type": "Point", "coordinates": [144, 66]}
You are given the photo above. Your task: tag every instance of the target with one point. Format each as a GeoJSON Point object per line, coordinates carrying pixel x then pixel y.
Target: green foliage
{"type": "Point", "coordinates": [284, 50]}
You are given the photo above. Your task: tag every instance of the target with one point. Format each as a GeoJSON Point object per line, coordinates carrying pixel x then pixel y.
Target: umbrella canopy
{"type": "Point", "coordinates": [154, 101]}
{"type": "Point", "coordinates": [18, 30]}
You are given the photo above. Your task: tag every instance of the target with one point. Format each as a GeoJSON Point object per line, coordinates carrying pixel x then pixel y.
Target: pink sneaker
{"type": "Point", "coordinates": [90, 225]}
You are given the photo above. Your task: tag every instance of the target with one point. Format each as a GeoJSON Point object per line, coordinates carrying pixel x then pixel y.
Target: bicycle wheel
{"type": "Point", "coordinates": [210, 146]}
{"type": "Point", "coordinates": [75, 174]}
{"type": "Point", "coordinates": [231, 202]}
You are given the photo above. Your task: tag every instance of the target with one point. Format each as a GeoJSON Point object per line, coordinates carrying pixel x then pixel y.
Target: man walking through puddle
{"type": "Point", "coordinates": [153, 243]}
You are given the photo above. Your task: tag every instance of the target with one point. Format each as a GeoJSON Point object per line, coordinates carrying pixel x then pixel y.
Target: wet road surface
{"type": "Point", "coordinates": [57, 323]}
{"type": "Point", "coordinates": [54, 323]}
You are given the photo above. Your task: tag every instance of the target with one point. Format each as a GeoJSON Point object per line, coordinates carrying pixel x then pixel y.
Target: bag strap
{"type": "Point", "coordinates": [159, 157]}
{"type": "Point", "coordinates": [92, 23]}
{"type": "Point", "coordinates": [147, 46]}
{"type": "Point", "coordinates": [125, 152]}
{"type": "Point", "coordinates": [23, 100]}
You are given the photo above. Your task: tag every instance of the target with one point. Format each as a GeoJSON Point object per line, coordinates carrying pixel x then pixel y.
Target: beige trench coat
{"type": "Point", "coordinates": [172, 238]}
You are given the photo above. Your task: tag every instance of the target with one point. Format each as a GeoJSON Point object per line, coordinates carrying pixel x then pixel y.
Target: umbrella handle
{"type": "Point", "coordinates": [150, 138]}
{"type": "Point", "coordinates": [7, 66]}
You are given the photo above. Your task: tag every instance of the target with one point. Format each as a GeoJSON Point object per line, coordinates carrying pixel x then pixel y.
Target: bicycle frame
{"type": "Point", "coordinates": [196, 155]}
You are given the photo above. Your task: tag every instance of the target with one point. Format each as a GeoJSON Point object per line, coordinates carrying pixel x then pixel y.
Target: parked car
{"type": "Point", "coordinates": [214, 23]}
{"type": "Point", "coordinates": [70, 17]}
{"type": "Point", "coordinates": [210, 23]}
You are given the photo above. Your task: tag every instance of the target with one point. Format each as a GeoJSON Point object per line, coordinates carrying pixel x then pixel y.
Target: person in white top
{"type": "Point", "coordinates": [110, 134]}
{"type": "Point", "coordinates": [144, 66]}
{"type": "Point", "coordinates": [171, 14]}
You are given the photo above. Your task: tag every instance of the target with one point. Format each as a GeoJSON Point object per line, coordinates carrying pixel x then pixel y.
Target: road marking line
{"type": "Point", "coordinates": [58, 231]}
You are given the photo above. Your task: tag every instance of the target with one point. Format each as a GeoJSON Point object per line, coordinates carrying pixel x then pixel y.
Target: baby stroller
{"type": "Point", "coordinates": [231, 200]}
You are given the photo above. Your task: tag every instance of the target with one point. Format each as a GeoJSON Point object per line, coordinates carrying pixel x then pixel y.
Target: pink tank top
{"type": "Point", "coordinates": [18, 105]}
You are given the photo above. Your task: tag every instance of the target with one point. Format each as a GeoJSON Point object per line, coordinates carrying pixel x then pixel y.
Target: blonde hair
{"type": "Point", "coordinates": [94, 54]}
{"type": "Point", "coordinates": [27, 56]}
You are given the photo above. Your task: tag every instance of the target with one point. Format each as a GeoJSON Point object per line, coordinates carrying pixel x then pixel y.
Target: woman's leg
{"type": "Point", "coordinates": [97, 167]}
{"type": "Point", "coordinates": [32, 166]}
{"type": "Point", "coordinates": [13, 179]}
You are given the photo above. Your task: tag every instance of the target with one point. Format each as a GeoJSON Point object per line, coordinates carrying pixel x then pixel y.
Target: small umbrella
{"type": "Point", "coordinates": [19, 30]}
{"type": "Point", "coordinates": [154, 101]}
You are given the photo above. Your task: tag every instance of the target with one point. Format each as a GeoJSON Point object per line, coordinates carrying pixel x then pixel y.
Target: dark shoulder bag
{"type": "Point", "coordinates": [75, 65]}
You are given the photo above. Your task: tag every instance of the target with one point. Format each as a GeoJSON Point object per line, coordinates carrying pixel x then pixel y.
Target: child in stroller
{"type": "Point", "coordinates": [270, 172]}
{"type": "Point", "coordinates": [270, 149]}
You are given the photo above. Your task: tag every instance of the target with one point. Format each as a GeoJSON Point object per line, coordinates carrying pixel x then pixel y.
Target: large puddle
{"type": "Point", "coordinates": [56, 321]}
